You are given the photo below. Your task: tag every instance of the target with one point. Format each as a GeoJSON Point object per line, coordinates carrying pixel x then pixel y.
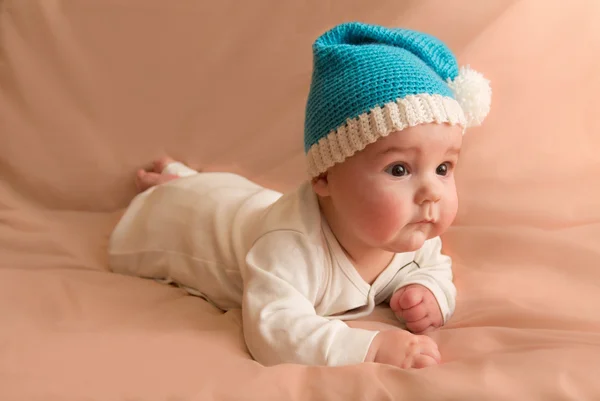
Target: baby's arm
{"type": "Point", "coordinates": [281, 282]}
{"type": "Point", "coordinates": [280, 323]}
{"type": "Point", "coordinates": [397, 347]}
{"type": "Point", "coordinates": [425, 295]}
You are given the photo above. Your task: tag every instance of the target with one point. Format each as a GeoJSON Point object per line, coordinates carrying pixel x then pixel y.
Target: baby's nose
{"type": "Point", "coordinates": [429, 191]}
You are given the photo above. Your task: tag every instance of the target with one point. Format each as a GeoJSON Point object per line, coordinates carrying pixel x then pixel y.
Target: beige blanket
{"type": "Point", "coordinates": [91, 90]}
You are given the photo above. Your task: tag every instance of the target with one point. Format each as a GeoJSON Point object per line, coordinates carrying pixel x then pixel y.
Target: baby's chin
{"type": "Point", "coordinates": [411, 239]}
{"type": "Point", "coordinates": [410, 243]}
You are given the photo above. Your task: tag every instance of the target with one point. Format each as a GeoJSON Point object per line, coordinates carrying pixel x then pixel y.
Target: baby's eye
{"type": "Point", "coordinates": [397, 170]}
{"type": "Point", "coordinates": [443, 169]}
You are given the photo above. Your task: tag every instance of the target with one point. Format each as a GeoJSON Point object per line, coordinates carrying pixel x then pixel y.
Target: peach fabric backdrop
{"type": "Point", "coordinates": [90, 90]}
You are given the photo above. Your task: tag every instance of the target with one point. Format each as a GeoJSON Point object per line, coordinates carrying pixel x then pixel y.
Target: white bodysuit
{"type": "Point", "coordinates": [240, 245]}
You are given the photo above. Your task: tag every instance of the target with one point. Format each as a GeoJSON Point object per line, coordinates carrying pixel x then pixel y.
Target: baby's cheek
{"type": "Point", "coordinates": [386, 216]}
{"type": "Point", "coordinates": [449, 211]}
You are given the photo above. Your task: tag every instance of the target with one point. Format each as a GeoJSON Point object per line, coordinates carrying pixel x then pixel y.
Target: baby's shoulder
{"type": "Point", "coordinates": [287, 253]}
{"type": "Point", "coordinates": [296, 211]}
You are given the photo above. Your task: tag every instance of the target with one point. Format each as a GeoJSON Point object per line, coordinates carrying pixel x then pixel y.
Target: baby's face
{"type": "Point", "coordinates": [399, 191]}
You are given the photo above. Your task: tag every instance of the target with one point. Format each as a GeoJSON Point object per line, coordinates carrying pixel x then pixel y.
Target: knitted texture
{"type": "Point", "coordinates": [359, 68]}
{"type": "Point", "coordinates": [356, 134]}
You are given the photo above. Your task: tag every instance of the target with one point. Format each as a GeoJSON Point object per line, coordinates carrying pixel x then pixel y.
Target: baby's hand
{"type": "Point", "coordinates": [418, 307]}
{"type": "Point", "coordinates": [404, 350]}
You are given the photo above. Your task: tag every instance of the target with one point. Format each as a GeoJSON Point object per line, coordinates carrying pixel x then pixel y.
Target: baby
{"type": "Point", "coordinates": [385, 117]}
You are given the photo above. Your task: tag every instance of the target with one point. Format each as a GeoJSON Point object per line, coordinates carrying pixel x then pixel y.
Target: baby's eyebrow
{"type": "Point", "coordinates": [398, 149]}
{"type": "Point", "coordinates": [415, 149]}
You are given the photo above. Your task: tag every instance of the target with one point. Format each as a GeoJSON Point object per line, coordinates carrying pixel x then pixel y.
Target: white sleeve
{"type": "Point", "coordinates": [281, 286]}
{"type": "Point", "coordinates": [433, 270]}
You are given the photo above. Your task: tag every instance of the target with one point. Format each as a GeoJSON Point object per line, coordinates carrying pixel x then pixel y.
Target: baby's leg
{"type": "Point", "coordinates": [163, 170]}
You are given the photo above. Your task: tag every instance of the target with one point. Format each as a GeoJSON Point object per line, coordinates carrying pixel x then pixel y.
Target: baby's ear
{"type": "Point", "coordinates": [321, 185]}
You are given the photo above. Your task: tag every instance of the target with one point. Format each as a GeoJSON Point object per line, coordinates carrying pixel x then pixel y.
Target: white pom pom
{"type": "Point", "coordinates": [474, 94]}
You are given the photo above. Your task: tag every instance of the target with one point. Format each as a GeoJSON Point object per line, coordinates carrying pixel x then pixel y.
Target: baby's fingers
{"type": "Point", "coordinates": [420, 326]}
{"type": "Point", "coordinates": [414, 314]}
{"type": "Point", "coordinates": [423, 361]}
{"type": "Point", "coordinates": [411, 297]}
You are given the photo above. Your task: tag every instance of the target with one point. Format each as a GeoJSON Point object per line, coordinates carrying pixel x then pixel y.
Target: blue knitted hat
{"type": "Point", "coordinates": [369, 81]}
